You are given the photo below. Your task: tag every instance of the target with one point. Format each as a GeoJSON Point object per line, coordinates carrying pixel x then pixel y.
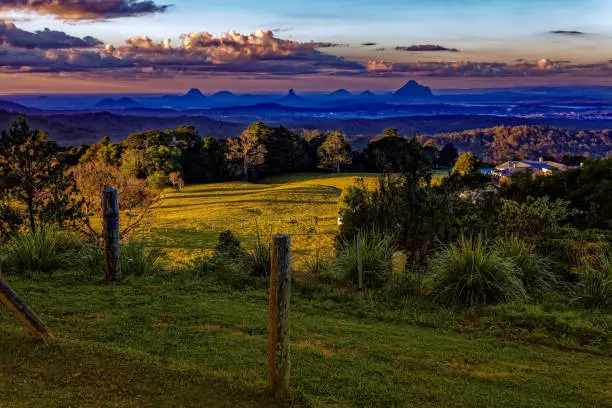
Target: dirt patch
{"type": "Point", "coordinates": [314, 345]}
{"type": "Point", "coordinates": [467, 368]}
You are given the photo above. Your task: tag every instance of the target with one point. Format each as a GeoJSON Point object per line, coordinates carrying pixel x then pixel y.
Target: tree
{"type": "Point", "coordinates": [104, 152]}
{"type": "Point", "coordinates": [334, 152]}
{"type": "Point", "coordinates": [467, 163]}
{"type": "Point", "coordinates": [448, 156]}
{"type": "Point", "coordinates": [386, 152]}
{"type": "Point", "coordinates": [31, 167]}
{"type": "Point", "coordinates": [248, 148]}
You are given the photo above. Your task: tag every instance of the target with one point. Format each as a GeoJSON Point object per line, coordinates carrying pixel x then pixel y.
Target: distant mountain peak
{"type": "Point", "coordinates": [223, 94]}
{"type": "Point", "coordinates": [292, 93]}
{"type": "Point", "coordinates": [367, 93]}
{"type": "Point", "coordinates": [413, 89]}
{"type": "Point", "coordinates": [341, 92]}
{"type": "Point", "coordinates": [194, 93]}
{"type": "Point", "coordinates": [119, 103]}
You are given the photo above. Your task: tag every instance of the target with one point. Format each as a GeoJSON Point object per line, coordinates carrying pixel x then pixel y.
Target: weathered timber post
{"type": "Point", "coordinates": [21, 311]}
{"type": "Point", "coordinates": [110, 203]}
{"type": "Point", "coordinates": [279, 364]}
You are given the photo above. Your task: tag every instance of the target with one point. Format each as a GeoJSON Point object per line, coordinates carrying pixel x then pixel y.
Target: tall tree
{"type": "Point", "coordinates": [448, 156]}
{"type": "Point", "coordinates": [31, 167]}
{"type": "Point", "coordinates": [334, 152]}
{"type": "Point", "coordinates": [248, 148]}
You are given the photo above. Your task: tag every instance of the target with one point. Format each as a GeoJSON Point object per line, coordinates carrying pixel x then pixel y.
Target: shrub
{"type": "Point", "coordinates": [158, 180]}
{"type": "Point", "coordinates": [316, 265]}
{"type": "Point", "coordinates": [228, 246]}
{"type": "Point", "coordinates": [535, 270]}
{"type": "Point", "coordinates": [594, 289]}
{"type": "Point", "coordinates": [259, 261]}
{"type": "Point", "coordinates": [467, 272]}
{"type": "Point", "coordinates": [43, 251]}
{"type": "Point", "coordinates": [225, 271]}
{"type": "Point", "coordinates": [137, 260]}
{"type": "Point", "coordinates": [377, 259]}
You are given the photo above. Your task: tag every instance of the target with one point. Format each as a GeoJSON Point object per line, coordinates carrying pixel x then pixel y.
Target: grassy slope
{"type": "Point", "coordinates": [180, 342]}
{"type": "Point", "coordinates": [188, 223]}
{"type": "Point", "coordinates": [154, 343]}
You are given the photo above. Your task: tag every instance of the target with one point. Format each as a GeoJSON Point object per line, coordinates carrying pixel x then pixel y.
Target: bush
{"type": "Point", "coordinates": [225, 271]}
{"type": "Point", "coordinates": [228, 246]}
{"type": "Point", "coordinates": [158, 180]}
{"type": "Point", "coordinates": [594, 289]}
{"type": "Point", "coordinates": [377, 259]}
{"type": "Point", "coordinates": [137, 260]}
{"type": "Point", "coordinates": [467, 272]}
{"type": "Point", "coordinates": [45, 250]}
{"type": "Point", "coordinates": [259, 261]}
{"type": "Point", "coordinates": [316, 265]}
{"type": "Point", "coordinates": [535, 270]}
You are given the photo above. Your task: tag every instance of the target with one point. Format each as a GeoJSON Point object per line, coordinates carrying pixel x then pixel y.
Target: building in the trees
{"type": "Point", "coordinates": [537, 167]}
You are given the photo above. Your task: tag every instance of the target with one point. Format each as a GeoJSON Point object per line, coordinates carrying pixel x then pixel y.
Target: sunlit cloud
{"type": "Point", "coordinates": [74, 10]}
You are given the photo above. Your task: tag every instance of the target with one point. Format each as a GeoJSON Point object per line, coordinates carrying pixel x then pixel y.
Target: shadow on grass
{"type": "Point", "coordinates": [65, 373]}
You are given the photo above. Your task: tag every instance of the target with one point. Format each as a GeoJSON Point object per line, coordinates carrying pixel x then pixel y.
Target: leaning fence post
{"type": "Point", "coordinates": [21, 310]}
{"type": "Point", "coordinates": [110, 201]}
{"type": "Point", "coordinates": [279, 364]}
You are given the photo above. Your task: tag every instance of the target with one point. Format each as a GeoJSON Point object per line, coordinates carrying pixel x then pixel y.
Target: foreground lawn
{"type": "Point", "coordinates": [182, 342]}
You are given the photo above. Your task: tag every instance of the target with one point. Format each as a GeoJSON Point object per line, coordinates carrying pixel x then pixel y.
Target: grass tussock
{"type": "Point", "coordinates": [377, 259]}
{"type": "Point", "coordinates": [469, 273]}
{"type": "Point", "coordinates": [45, 250]}
{"type": "Point", "coordinates": [534, 270]}
{"type": "Point", "coordinates": [594, 289]}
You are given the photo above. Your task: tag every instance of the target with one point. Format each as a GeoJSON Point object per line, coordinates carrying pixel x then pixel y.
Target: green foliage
{"type": "Point", "coordinates": [248, 149]}
{"type": "Point", "coordinates": [594, 289]}
{"type": "Point", "coordinates": [158, 180]}
{"type": "Point", "coordinates": [103, 152]}
{"type": "Point", "coordinates": [466, 164]}
{"type": "Point", "coordinates": [229, 246]}
{"type": "Point", "coordinates": [318, 264]}
{"type": "Point", "coordinates": [34, 175]}
{"type": "Point", "coordinates": [260, 259]}
{"type": "Point", "coordinates": [377, 259]}
{"type": "Point", "coordinates": [469, 273]}
{"type": "Point", "coordinates": [138, 260]}
{"type": "Point", "coordinates": [44, 250]}
{"type": "Point", "coordinates": [533, 217]}
{"type": "Point", "coordinates": [534, 270]}
{"type": "Point", "coordinates": [334, 152]}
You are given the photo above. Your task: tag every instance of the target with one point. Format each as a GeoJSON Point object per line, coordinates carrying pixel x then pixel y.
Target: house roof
{"type": "Point", "coordinates": [531, 164]}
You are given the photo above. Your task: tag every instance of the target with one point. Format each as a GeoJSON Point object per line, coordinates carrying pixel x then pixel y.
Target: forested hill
{"type": "Point", "coordinates": [88, 127]}
{"type": "Point", "coordinates": [498, 143]}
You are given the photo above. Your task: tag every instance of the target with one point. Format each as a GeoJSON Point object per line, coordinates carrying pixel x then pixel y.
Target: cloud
{"type": "Point", "coordinates": [425, 48]}
{"type": "Point", "coordinates": [45, 39]}
{"type": "Point", "coordinates": [369, 44]}
{"type": "Point", "coordinates": [74, 10]}
{"type": "Point", "coordinates": [567, 32]}
{"type": "Point", "coordinates": [203, 49]}
{"type": "Point", "coordinates": [379, 66]}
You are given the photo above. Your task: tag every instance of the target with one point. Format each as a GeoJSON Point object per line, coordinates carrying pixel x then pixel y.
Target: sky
{"type": "Point", "coordinates": [158, 46]}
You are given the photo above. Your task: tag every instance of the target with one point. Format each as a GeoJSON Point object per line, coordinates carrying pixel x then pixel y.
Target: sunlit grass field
{"type": "Point", "coordinates": [187, 223]}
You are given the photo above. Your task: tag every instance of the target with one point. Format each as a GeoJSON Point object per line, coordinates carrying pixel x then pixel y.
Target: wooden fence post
{"type": "Point", "coordinates": [112, 268]}
{"type": "Point", "coordinates": [21, 311]}
{"type": "Point", "coordinates": [279, 364]}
